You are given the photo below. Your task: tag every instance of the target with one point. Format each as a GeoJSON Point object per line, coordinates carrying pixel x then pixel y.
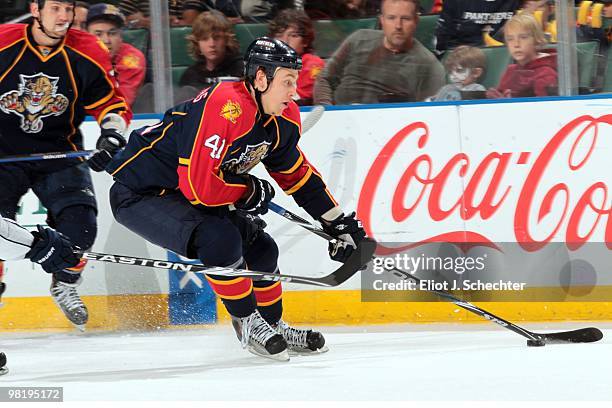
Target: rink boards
{"type": "Point", "coordinates": [531, 171]}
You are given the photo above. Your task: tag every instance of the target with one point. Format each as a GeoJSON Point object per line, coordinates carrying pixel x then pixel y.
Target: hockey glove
{"type": "Point", "coordinates": [348, 233]}
{"type": "Point", "coordinates": [52, 250]}
{"type": "Point", "coordinates": [108, 144]}
{"type": "Point", "coordinates": [259, 194]}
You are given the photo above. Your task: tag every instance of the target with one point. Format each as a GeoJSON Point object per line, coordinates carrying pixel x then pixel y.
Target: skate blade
{"type": "Point", "coordinates": [307, 352]}
{"type": "Point", "coordinates": [282, 356]}
{"type": "Point", "coordinates": [4, 370]}
{"type": "Point", "coordinates": [81, 327]}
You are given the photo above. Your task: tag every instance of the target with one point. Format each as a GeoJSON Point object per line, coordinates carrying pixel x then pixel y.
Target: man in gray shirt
{"type": "Point", "coordinates": [373, 66]}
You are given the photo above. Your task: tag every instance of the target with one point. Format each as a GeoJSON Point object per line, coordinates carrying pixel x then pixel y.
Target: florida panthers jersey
{"type": "Point", "coordinates": [45, 93]}
{"type": "Point", "coordinates": [204, 146]}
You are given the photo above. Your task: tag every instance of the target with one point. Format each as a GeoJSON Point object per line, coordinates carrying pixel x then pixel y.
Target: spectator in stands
{"type": "Point", "coordinates": [213, 44]}
{"type": "Point", "coordinates": [105, 21]}
{"type": "Point", "coordinates": [465, 65]}
{"type": "Point", "coordinates": [535, 72]}
{"type": "Point", "coordinates": [80, 15]}
{"type": "Point", "coordinates": [237, 11]}
{"type": "Point", "coordinates": [463, 22]}
{"type": "Point", "coordinates": [295, 28]}
{"type": "Point", "coordinates": [382, 66]}
{"type": "Point", "coordinates": [137, 12]}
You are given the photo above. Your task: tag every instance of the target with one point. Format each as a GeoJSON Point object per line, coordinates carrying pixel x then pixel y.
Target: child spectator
{"type": "Point", "coordinates": [294, 27]}
{"type": "Point", "coordinates": [213, 45]}
{"type": "Point", "coordinates": [535, 72]}
{"type": "Point", "coordinates": [464, 65]}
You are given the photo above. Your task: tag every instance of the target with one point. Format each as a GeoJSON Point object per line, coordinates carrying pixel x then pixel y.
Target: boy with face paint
{"type": "Point", "coordinates": [465, 65]}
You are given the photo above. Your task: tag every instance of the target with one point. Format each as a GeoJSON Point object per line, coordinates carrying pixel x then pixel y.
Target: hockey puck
{"type": "Point", "coordinates": [536, 343]}
{"type": "Point", "coordinates": [3, 369]}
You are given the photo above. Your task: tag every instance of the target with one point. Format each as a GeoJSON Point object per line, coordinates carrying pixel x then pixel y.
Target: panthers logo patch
{"type": "Point", "coordinates": [231, 111]}
{"type": "Point", "coordinates": [248, 159]}
{"type": "Point", "coordinates": [35, 99]}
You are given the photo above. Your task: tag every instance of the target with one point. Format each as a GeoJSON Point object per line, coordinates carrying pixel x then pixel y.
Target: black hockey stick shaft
{"type": "Point", "coordinates": [585, 335]}
{"type": "Point", "coordinates": [46, 156]}
{"type": "Point", "coordinates": [356, 261]}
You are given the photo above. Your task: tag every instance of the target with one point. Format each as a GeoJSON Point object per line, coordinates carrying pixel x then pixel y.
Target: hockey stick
{"type": "Point", "coordinates": [46, 156]}
{"type": "Point", "coordinates": [313, 117]}
{"type": "Point", "coordinates": [585, 335]}
{"type": "Point", "coordinates": [356, 261]}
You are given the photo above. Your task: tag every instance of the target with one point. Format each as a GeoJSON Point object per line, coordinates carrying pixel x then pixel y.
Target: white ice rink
{"type": "Point", "coordinates": [405, 362]}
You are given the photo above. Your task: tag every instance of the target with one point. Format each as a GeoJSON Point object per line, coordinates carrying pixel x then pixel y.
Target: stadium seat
{"type": "Point", "coordinates": [329, 34]}
{"type": "Point", "coordinates": [498, 59]}
{"type": "Point", "coordinates": [426, 30]}
{"type": "Point", "coordinates": [178, 43]}
{"type": "Point", "coordinates": [246, 33]}
{"type": "Point", "coordinates": [139, 38]}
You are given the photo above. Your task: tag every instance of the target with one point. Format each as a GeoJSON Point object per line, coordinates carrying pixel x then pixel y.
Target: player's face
{"type": "Point", "coordinates": [521, 44]}
{"type": "Point", "coordinates": [55, 16]}
{"type": "Point", "coordinates": [80, 17]}
{"type": "Point", "coordinates": [399, 21]}
{"type": "Point", "coordinates": [293, 38]}
{"type": "Point", "coordinates": [213, 48]}
{"type": "Point", "coordinates": [108, 33]}
{"type": "Point", "coordinates": [281, 92]}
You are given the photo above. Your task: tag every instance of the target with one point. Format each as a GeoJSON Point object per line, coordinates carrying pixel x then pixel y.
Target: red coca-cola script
{"type": "Point", "coordinates": [580, 134]}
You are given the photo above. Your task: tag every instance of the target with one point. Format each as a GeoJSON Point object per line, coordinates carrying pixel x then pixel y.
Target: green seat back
{"type": "Point", "coordinates": [587, 55]}
{"type": "Point", "coordinates": [139, 38]}
{"type": "Point", "coordinates": [426, 30]}
{"type": "Point", "coordinates": [329, 34]}
{"type": "Point", "coordinates": [177, 72]}
{"type": "Point", "coordinates": [498, 59]}
{"type": "Point", "coordinates": [246, 33]}
{"type": "Point", "coordinates": [178, 46]}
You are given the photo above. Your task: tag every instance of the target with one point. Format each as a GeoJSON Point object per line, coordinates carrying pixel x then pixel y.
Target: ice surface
{"type": "Point", "coordinates": [400, 362]}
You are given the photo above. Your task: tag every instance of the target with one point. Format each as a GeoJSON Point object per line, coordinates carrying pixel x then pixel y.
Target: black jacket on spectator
{"type": "Point", "coordinates": [462, 22]}
{"type": "Point", "coordinates": [199, 77]}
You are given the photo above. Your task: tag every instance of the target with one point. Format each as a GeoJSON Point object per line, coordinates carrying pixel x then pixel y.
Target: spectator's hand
{"type": "Point", "coordinates": [138, 20]}
{"type": "Point", "coordinates": [493, 93]}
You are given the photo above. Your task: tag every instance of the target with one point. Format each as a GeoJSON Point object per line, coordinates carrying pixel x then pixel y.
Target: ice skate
{"type": "Point", "coordinates": [259, 338]}
{"type": "Point", "coordinates": [301, 341]}
{"type": "Point", "coordinates": [68, 300]}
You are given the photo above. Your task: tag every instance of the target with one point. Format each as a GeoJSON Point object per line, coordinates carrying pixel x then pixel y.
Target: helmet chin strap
{"type": "Point", "coordinates": [258, 93]}
{"type": "Point", "coordinates": [42, 28]}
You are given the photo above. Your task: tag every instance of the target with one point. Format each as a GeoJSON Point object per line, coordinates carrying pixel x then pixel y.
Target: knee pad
{"type": "Point", "coordinates": [262, 254]}
{"type": "Point", "coordinates": [216, 247]}
{"type": "Point", "coordinates": [77, 222]}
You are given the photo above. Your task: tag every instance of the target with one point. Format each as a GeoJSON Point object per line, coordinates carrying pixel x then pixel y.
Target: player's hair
{"type": "Point", "coordinates": [467, 57]}
{"type": "Point", "coordinates": [207, 24]}
{"type": "Point", "coordinates": [297, 18]}
{"type": "Point", "coordinates": [527, 22]}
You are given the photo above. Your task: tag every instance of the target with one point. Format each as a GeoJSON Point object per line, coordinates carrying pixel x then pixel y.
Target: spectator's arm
{"type": "Point", "coordinates": [433, 79]}
{"type": "Point", "coordinates": [331, 76]}
{"type": "Point", "coordinates": [443, 26]}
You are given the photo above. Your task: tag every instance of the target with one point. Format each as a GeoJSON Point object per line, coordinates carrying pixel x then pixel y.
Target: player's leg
{"type": "Point", "coordinates": [15, 183]}
{"type": "Point", "coordinates": [69, 198]}
{"type": "Point", "coordinates": [170, 221]}
{"type": "Point", "coordinates": [261, 254]}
